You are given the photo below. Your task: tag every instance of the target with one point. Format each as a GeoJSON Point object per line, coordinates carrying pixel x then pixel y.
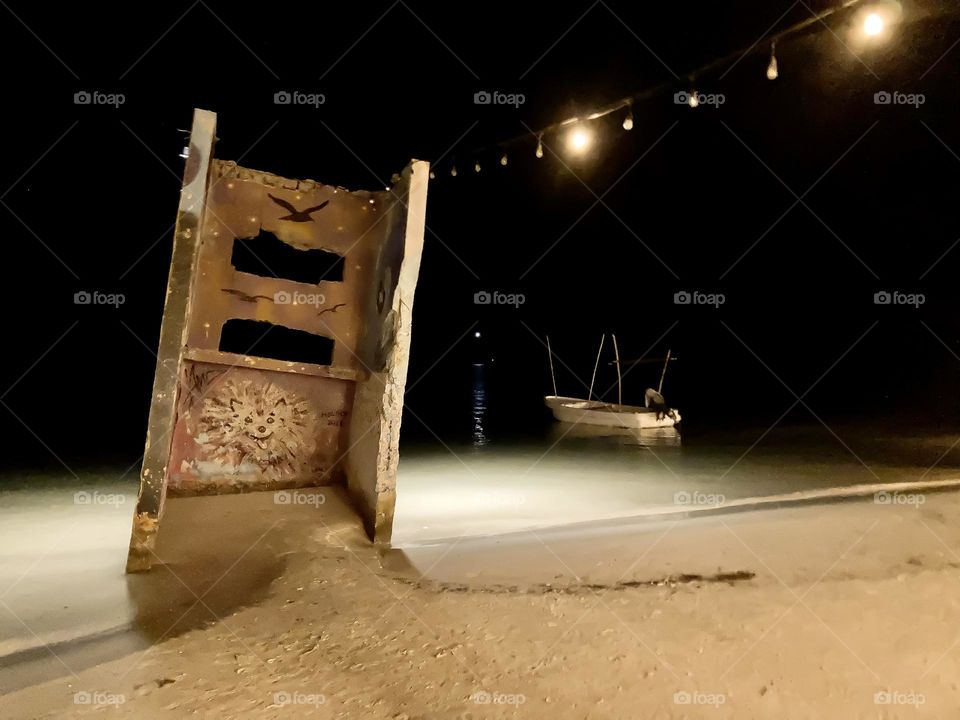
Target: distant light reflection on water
{"type": "Point", "coordinates": [479, 405]}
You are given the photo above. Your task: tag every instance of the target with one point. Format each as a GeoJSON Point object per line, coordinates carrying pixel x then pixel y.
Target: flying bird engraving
{"type": "Point", "coordinates": [297, 215]}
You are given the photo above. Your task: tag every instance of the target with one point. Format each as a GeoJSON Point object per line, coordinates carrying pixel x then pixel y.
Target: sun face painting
{"type": "Point", "coordinates": [244, 422]}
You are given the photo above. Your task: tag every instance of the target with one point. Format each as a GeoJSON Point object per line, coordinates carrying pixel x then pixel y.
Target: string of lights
{"type": "Point", "coordinates": [871, 23]}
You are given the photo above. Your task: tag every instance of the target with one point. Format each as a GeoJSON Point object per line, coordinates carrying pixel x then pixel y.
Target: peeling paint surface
{"type": "Point", "coordinates": [225, 419]}
{"type": "Point", "coordinates": [240, 429]}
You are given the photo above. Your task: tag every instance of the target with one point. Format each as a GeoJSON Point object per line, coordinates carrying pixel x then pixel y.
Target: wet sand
{"type": "Point", "coordinates": [844, 610]}
{"type": "Point", "coordinates": [211, 559]}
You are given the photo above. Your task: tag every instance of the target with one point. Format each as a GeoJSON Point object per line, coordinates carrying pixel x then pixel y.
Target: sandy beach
{"type": "Point", "coordinates": [838, 610]}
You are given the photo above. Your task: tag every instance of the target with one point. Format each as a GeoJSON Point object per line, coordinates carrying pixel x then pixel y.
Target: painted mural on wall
{"type": "Point", "coordinates": [239, 428]}
{"type": "Point", "coordinates": [244, 422]}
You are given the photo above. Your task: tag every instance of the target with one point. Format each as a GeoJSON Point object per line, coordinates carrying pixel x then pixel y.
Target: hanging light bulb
{"type": "Point", "coordinates": [873, 24]}
{"type": "Point", "coordinates": [693, 99]}
{"type": "Point", "coordinates": [772, 71]}
{"type": "Point", "coordinates": [628, 120]}
{"type": "Point", "coordinates": [476, 167]}
{"type": "Point", "coordinates": [539, 152]}
{"type": "Point", "coordinates": [432, 174]}
{"type": "Point", "coordinates": [579, 139]}
{"type": "Point", "coordinates": [453, 171]}
{"type": "Point", "coordinates": [503, 159]}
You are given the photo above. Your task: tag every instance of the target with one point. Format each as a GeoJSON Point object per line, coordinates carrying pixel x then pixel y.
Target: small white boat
{"type": "Point", "coordinates": [594, 412]}
{"type": "Point", "coordinates": [582, 411]}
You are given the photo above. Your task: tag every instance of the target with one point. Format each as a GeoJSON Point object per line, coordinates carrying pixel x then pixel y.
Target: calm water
{"type": "Point", "coordinates": [501, 464]}
{"type": "Point", "coordinates": [62, 557]}
{"type": "Point", "coordinates": [575, 474]}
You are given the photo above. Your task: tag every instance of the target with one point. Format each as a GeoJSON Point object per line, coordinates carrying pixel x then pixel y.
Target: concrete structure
{"type": "Point", "coordinates": [285, 339]}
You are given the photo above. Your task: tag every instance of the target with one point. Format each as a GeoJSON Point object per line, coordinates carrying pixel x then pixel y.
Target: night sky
{"type": "Point", "coordinates": [797, 200]}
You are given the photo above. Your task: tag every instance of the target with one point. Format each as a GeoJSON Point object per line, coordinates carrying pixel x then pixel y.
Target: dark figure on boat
{"type": "Point", "coordinates": [654, 400]}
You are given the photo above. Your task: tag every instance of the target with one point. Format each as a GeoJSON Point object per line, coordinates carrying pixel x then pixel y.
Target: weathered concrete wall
{"type": "Point", "coordinates": [173, 329]}
{"type": "Point", "coordinates": [251, 419]}
{"type": "Point", "coordinates": [385, 351]}
{"type": "Point", "coordinates": [241, 203]}
{"type": "Point", "coordinates": [220, 444]}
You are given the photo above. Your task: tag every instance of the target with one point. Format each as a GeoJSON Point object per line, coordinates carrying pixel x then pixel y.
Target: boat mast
{"type": "Point", "coordinates": [616, 352]}
{"type": "Point", "coordinates": [664, 373]}
{"type": "Point", "coordinates": [553, 378]}
{"type": "Point", "coordinates": [594, 376]}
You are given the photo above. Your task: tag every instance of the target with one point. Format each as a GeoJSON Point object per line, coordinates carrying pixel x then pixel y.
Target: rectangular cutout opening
{"type": "Point", "coordinates": [268, 256]}
{"type": "Point", "coordinates": [264, 339]}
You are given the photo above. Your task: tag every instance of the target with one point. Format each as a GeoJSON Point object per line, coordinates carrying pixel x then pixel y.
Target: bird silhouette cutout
{"type": "Point", "coordinates": [297, 215]}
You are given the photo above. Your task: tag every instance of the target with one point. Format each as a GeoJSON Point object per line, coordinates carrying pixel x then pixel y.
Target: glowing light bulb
{"type": "Point", "coordinates": [873, 24]}
{"type": "Point", "coordinates": [432, 174]}
{"type": "Point", "coordinates": [539, 152]}
{"type": "Point", "coordinates": [693, 100]}
{"type": "Point", "coordinates": [476, 167]}
{"type": "Point", "coordinates": [628, 120]}
{"type": "Point", "coordinates": [453, 171]}
{"type": "Point", "coordinates": [503, 160]}
{"type": "Point", "coordinates": [772, 71]}
{"type": "Point", "coordinates": [578, 139]}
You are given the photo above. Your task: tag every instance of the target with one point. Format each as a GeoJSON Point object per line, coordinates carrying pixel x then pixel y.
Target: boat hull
{"type": "Point", "coordinates": [594, 412]}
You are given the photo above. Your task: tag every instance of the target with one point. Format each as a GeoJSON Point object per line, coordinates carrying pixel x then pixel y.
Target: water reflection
{"type": "Point", "coordinates": [479, 408]}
